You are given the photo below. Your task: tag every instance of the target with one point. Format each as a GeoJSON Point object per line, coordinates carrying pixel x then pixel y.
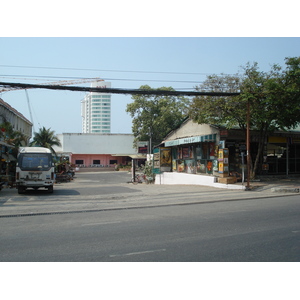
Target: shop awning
{"type": "Point", "coordinates": [134, 156]}
{"type": "Point", "coordinates": [192, 140]}
{"type": "Point", "coordinates": [61, 153]}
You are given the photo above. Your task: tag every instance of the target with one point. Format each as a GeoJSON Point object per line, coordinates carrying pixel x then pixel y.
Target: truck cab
{"type": "Point", "coordinates": [35, 169]}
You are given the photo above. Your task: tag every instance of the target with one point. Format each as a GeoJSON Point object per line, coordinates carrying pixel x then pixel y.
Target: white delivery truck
{"type": "Point", "coordinates": [35, 169]}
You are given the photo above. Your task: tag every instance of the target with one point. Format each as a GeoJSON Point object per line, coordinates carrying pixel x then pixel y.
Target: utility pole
{"type": "Point", "coordinates": [248, 146]}
{"type": "Point", "coordinates": [150, 141]}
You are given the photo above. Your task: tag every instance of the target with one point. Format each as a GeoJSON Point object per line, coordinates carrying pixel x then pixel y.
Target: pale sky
{"type": "Point", "coordinates": [127, 63]}
{"type": "Point", "coordinates": [178, 51]}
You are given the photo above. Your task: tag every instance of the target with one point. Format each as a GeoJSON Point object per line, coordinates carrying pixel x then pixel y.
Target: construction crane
{"type": "Point", "coordinates": [61, 82]}
{"type": "Point", "coordinates": [29, 108]}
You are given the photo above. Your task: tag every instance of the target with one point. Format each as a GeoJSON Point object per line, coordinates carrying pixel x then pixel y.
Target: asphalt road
{"type": "Point", "coordinates": [240, 231]}
{"type": "Point", "coordinates": [101, 218]}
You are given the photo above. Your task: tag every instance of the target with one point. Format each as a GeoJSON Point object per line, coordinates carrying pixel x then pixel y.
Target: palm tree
{"type": "Point", "coordinates": [45, 138]}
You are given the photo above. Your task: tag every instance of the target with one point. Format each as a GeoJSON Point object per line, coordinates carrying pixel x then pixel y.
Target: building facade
{"type": "Point", "coordinates": [213, 151]}
{"type": "Point", "coordinates": [96, 110]}
{"type": "Point", "coordinates": [16, 119]}
{"type": "Point", "coordinates": [96, 150]}
{"type": "Point", "coordinates": [8, 152]}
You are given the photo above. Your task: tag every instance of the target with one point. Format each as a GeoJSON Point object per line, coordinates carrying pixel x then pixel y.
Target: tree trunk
{"type": "Point", "coordinates": [261, 141]}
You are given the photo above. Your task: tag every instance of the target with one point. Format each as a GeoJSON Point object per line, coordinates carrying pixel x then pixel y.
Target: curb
{"type": "Point", "coordinates": [285, 190]}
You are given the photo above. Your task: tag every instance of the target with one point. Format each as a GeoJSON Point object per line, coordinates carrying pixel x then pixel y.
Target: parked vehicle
{"type": "Point", "coordinates": [35, 169]}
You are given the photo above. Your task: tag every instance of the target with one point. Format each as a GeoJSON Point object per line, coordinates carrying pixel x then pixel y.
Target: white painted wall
{"type": "Point", "coordinates": [89, 143]}
{"type": "Point", "coordinates": [193, 179]}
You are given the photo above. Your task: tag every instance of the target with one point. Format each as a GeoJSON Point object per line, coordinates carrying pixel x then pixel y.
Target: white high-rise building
{"type": "Point", "coordinates": [96, 110]}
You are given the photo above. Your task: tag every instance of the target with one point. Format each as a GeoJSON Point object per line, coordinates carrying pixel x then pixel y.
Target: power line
{"type": "Point", "coordinates": [100, 70]}
{"type": "Point", "coordinates": [36, 77]}
{"type": "Point", "coordinates": [117, 91]}
{"type": "Point", "coordinates": [29, 77]}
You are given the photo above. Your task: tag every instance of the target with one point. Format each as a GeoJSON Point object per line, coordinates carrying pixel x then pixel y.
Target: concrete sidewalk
{"type": "Point", "coordinates": [277, 184]}
{"type": "Point", "coordinates": [273, 184]}
{"type": "Point", "coordinates": [74, 196]}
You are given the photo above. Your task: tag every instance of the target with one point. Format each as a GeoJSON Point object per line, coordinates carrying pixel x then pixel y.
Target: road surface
{"type": "Point", "coordinates": [105, 219]}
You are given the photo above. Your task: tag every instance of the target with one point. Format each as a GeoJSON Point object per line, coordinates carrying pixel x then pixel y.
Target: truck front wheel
{"type": "Point", "coordinates": [21, 190]}
{"type": "Point", "coordinates": [50, 189]}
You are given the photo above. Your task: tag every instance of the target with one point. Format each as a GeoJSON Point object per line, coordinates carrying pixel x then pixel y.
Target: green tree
{"type": "Point", "coordinates": [154, 116]}
{"type": "Point", "coordinates": [274, 99]}
{"type": "Point", "coordinates": [12, 137]}
{"type": "Point", "coordinates": [45, 138]}
{"type": "Point", "coordinates": [226, 110]}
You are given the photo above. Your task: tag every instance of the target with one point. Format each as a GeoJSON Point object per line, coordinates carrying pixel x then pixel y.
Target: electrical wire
{"type": "Point", "coordinates": [29, 77]}
{"type": "Point", "coordinates": [36, 77]}
{"type": "Point", "coordinates": [118, 91]}
{"type": "Point", "coordinates": [101, 70]}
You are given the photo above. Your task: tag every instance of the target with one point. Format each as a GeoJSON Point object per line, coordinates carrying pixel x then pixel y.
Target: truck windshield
{"type": "Point", "coordinates": [35, 162]}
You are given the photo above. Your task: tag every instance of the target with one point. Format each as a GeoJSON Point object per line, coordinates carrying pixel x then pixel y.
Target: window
{"type": "Point", "coordinates": [79, 162]}
{"type": "Point", "coordinates": [96, 162]}
{"type": "Point", "coordinates": [35, 162]}
{"type": "Point", "coordinates": [113, 161]}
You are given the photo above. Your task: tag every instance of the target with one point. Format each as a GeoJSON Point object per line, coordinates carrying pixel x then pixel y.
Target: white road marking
{"type": "Point", "coordinates": [137, 253]}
